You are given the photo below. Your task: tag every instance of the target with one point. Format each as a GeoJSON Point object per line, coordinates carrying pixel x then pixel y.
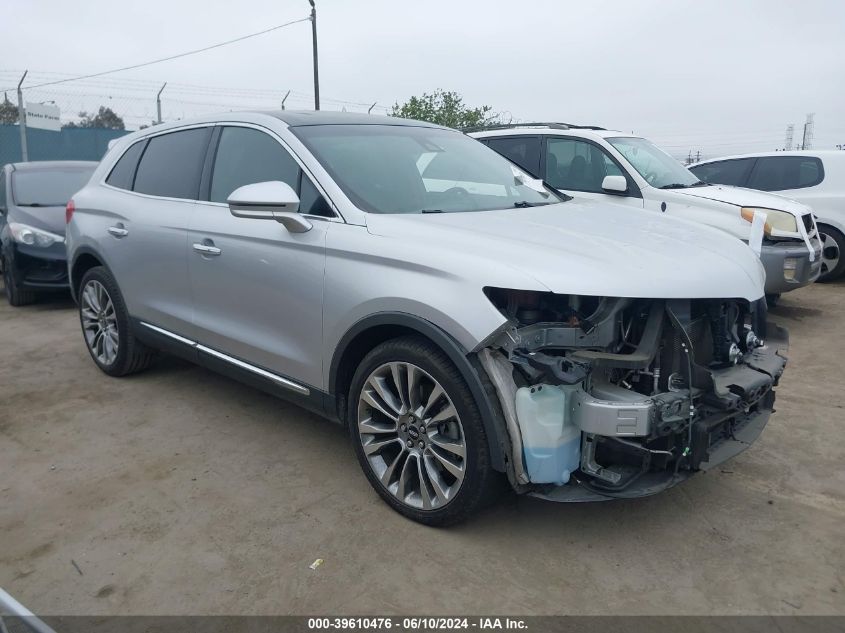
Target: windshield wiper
{"type": "Point", "coordinates": [700, 183]}
{"type": "Point", "coordinates": [675, 185]}
{"type": "Point", "coordinates": [524, 204]}
{"type": "Point", "coordinates": [33, 204]}
{"type": "Point", "coordinates": [431, 210]}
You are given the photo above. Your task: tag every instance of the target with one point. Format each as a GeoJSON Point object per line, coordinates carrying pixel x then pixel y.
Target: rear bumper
{"type": "Point", "coordinates": [740, 406]}
{"type": "Point", "coordinates": [788, 266]}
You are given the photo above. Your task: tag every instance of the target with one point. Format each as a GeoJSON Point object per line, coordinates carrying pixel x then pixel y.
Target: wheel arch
{"type": "Point", "coordinates": [378, 328]}
{"type": "Point", "coordinates": [84, 259]}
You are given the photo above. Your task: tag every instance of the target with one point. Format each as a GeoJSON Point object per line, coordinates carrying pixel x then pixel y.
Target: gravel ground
{"type": "Point", "coordinates": [177, 491]}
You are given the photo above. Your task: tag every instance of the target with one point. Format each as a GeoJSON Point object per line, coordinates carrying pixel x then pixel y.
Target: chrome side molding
{"type": "Point", "coordinates": [279, 380]}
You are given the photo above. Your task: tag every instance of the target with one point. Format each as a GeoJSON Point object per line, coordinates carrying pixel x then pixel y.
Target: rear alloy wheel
{"type": "Point", "coordinates": [418, 434]}
{"type": "Point", "coordinates": [99, 323]}
{"type": "Point", "coordinates": [833, 262]}
{"type": "Point", "coordinates": [106, 327]}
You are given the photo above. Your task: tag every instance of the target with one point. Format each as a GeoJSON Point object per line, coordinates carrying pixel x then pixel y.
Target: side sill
{"type": "Point", "coordinates": [312, 399]}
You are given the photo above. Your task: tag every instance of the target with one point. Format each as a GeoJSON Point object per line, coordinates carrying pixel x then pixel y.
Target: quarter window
{"type": "Point", "coordinates": [574, 165]}
{"type": "Point", "coordinates": [246, 156]}
{"type": "Point", "coordinates": [123, 173]}
{"type": "Point", "coordinates": [311, 201]}
{"type": "Point", "coordinates": [171, 165]}
{"type": "Point", "coordinates": [778, 173]}
{"type": "Point", "coordinates": [522, 150]}
{"type": "Point", "coordinates": [725, 172]}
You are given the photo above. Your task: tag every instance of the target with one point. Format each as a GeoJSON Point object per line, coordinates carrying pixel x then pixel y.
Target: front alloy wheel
{"type": "Point", "coordinates": [412, 435]}
{"type": "Point", "coordinates": [99, 322]}
{"type": "Point", "coordinates": [418, 433]}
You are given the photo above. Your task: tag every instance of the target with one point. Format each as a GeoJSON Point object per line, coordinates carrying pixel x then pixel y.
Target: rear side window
{"type": "Point", "coordinates": [522, 150]}
{"type": "Point", "coordinates": [123, 173]}
{"type": "Point", "coordinates": [777, 173]}
{"type": "Point", "coordinates": [246, 156]}
{"type": "Point", "coordinates": [172, 164]}
{"type": "Point", "coordinates": [724, 172]}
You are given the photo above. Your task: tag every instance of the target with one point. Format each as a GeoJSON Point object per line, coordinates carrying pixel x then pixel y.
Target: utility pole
{"type": "Point", "coordinates": [158, 103]}
{"type": "Point", "coordinates": [790, 131]}
{"type": "Point", "coordinates": [316, 65]}
{"type": "Point", "coordinates": [22, 119]}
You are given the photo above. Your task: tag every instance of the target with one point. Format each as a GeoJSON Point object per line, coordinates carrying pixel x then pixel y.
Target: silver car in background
{"type": "Point", "coordinates": [465, 322]}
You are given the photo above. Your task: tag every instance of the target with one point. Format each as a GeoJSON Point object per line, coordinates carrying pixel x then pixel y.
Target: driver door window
{"type": "Point", "coordinates": [574, 165]}
{"type": "Point", "coordinates": [246, 156]}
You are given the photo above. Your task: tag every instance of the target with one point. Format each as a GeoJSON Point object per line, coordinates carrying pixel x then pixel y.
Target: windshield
{"type": "Point", "coordinates": [656, 166]}
{"type": "Point", "coordinates": [48, 187]}
{"type": "Point", "coordinates": [406, 169]}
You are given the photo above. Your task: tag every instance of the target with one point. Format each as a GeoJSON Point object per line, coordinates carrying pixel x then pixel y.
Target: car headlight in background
{"type": "Point", "coordinates": [29, 235]}
{"type": "Point", "coordinates": [777, 222]}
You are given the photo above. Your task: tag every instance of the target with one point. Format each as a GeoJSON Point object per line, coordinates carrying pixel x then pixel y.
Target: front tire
{"type": "Point", "coordinates": [833, 260]}
{"type": "Point", "coordinates": [418, 434]}
{"type": "Point", "coordinates": [15, 294]}
{"type": "Point", "coordinates": [106, 327]}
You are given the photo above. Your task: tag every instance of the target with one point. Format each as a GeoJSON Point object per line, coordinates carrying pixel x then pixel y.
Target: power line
{"type": "Point", "coordinates": [177, 56]}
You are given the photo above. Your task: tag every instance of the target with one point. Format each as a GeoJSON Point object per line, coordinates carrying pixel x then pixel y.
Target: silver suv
{"type": "Point", "coordinates": [464, 321]}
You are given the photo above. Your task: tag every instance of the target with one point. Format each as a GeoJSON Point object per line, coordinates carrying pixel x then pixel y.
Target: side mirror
{"type": "Point", "coordinates": [614, 184]}
{"type": "Point", "coordinates": [272, 200]}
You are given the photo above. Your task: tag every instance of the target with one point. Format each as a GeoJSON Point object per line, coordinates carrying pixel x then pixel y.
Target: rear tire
{"type": "Point", "coordinates": [418, 434]}
{"type": "Point", "coordinates": [833, 259]}
{"type": "Point", "coordinates": [15, 294]}
{"type": "Point", "coordinates": [106, 327]}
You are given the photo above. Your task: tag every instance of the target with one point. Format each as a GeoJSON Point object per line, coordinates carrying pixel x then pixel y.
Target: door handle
{"type": "Point", "coordinates": [118, 231]}
{"type": "Point", "coordinates": [205, 249]}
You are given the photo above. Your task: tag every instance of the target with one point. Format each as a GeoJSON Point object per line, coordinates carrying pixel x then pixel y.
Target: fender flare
{"type": "Point", "coordinates": [79, 252]}
{"type": "Point", "coordinates": [490, 411]}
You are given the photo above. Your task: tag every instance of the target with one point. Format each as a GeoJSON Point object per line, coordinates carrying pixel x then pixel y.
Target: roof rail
{"type": "Point", "coordinates": [508, 126]}
{"type": "Point", "coordinates": [554, 125]}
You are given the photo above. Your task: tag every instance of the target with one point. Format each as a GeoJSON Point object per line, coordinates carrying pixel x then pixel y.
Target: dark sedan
{"type": "Point", "coordinates": [32, 225]}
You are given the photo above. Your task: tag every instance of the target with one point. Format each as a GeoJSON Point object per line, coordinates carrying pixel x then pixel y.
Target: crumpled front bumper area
{"type": "Point", "coordinates": [734, 412]}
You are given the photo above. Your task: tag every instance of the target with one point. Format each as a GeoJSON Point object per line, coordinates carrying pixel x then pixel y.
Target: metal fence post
{"type": "Point", "coordinates": [22, 119]}
{"type": "Point", "coordinates": [158, 103]}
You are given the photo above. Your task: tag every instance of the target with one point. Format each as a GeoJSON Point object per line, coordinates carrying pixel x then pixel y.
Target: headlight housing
{"type": "Point", "coordinates": [29, 235]}
{"type": "Point", "coordinates": [778, 223]}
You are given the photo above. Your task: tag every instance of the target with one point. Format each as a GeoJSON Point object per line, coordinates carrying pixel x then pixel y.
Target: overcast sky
{"type": "Point", "coordinates": [719, 76]}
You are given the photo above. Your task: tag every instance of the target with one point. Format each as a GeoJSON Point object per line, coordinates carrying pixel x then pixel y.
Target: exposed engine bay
{"type": "Point", "coordinates": [609, 397]}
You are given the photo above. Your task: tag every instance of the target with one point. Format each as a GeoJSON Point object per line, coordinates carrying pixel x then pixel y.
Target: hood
{"type": "Point", "coordinates": [47, 218]}
{"type": "Point", "coordinates": [747, 198]}
{"type": "Point", "coordinates": [583, 248]}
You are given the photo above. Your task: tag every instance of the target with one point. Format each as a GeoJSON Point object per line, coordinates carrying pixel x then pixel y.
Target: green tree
{"type": "Point", "coordinates": [445, 108]}
{"type": "Point", "coordinates": [105, 118]}
{"type": "Point", "coordinates": [8, 112]}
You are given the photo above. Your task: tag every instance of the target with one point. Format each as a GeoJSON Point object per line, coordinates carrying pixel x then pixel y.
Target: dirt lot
{"type": "Point", "coordinates": [178, 491]}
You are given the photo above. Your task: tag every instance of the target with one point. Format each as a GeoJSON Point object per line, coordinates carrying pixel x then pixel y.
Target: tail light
{"type": "Point", "coordinates": [69, 209]}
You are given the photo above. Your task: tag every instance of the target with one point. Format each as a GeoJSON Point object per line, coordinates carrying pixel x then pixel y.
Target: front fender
{"type": "Point", "coordinates": [463, 360]}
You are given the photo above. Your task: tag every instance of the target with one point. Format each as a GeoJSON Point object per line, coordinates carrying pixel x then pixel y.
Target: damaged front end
{"type": "Point", "coordinates": [608, 397]}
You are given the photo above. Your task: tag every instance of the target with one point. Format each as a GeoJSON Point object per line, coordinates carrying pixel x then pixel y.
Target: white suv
{"type": "Point", "coordinates": [611, 166]}
{"type": "Point", "coordinates": [815, 178]}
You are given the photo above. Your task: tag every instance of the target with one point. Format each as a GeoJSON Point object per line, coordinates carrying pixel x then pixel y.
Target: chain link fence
{"type": "Point", "coordinates": [108, 107]}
